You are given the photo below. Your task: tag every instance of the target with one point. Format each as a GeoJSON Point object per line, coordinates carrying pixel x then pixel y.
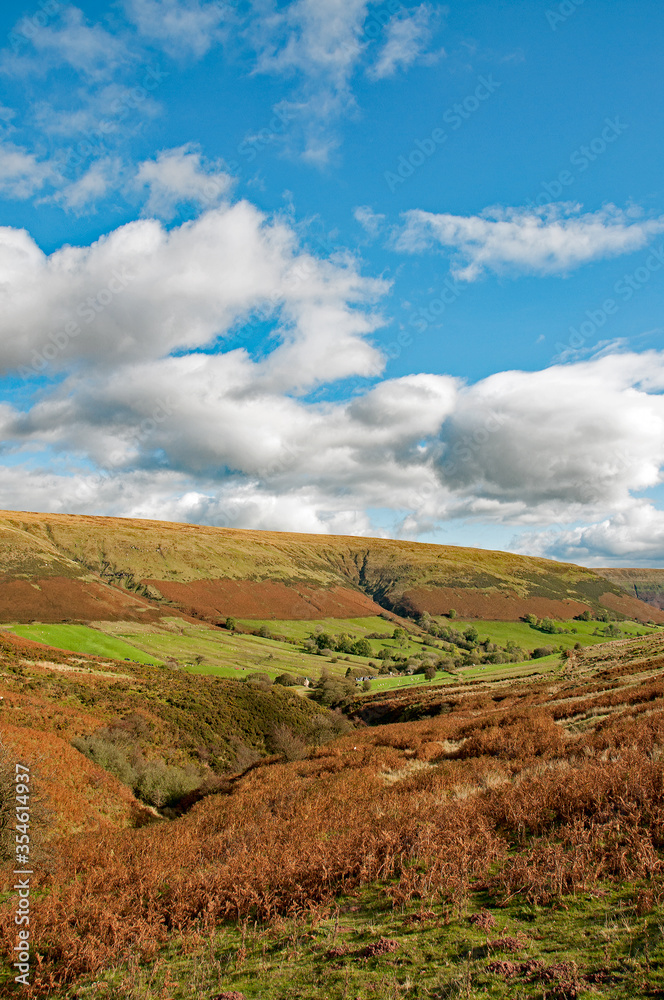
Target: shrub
{"type": "Point", "coordinates": [162, 785]}
{"type": "Point", "coordinates": [540, 651]}
{"type": "Point", "coordinates": [284, 741]}
{"type": "Point", "coordinates": [263, 680]}
{"type": "Point", "coordinates": [286, 680]}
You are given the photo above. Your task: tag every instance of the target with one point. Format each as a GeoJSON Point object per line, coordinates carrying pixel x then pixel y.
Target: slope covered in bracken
{"type": "Point", "coordinates": [54, 567]}
{"type": "Point", "coordinates": [541, 789]}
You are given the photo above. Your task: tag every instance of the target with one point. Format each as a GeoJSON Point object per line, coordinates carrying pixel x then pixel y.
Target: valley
{"type": "Point", "coordinates": [353, 788]}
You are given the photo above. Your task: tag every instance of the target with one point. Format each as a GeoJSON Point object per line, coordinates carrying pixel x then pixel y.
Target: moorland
{"type": "Point", "coordinates": [299, 766]}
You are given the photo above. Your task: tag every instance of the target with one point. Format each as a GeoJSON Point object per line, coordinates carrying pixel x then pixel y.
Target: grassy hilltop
{"type": "Point", "coordinates": [119, 569]}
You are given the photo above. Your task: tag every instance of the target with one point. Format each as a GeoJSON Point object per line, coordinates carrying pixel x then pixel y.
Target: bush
{"type": "Point", "coordinates": [542, 651]}
{"type": "Point", "coordinates": [286, 680]}
{"type": "Point", "coordinates": [284, 741]}
{"type": "Point", "coordinates": [361, 647]}
{"type": "Point", "coordinates": [154, 782]}
{"type": "Point", "coordinates": [162, 785]}
{"type": "Point", "coordinates": [115, 756]}
{"type": "Point", "coordinates": [263, 680]}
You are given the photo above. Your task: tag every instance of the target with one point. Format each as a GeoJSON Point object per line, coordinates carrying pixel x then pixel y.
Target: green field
{"type": "Point", "coordinates": [530, 638]}
{"type": "Point", "coordinates": [82, 639]}
{"type": "Point", "coordinates": [202, 649]}
{"type": "Point", "coordinates": [301, 629]}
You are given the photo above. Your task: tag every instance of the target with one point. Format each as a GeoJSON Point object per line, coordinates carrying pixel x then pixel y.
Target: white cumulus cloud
{"type": "Point", "coordinates": [553, 239]}
{"type": "Point", "coordinates": [180, 176]}
{"type": "Point", "coordinates": [634, 537]}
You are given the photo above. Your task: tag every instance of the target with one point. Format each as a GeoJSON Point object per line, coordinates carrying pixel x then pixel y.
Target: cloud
{"type": "Point", "coordinates": [553, 239]}
{"type": "Point", "coordinates": [408, 36]}
{"type": "Point", "coordinates": [71, 41]}
{"type": "Point", "coordinates": [320, 45]}
{"type": "Point", "coordinates": [22, 174]}
{"type": "Point", "coordinates": [142, 292]}
{"type": "Point", "coordinates": [372, 222]}
{"type": "Point", "coordinates": [317, 38]}
{"type": "Point", "coordinates": [558, 442]}
{"type": "Point", "coordinates": [180, 176]}
{"type": "Point", "coordinates": [634, 537]}
{"type": "Point", "coordinates": [179, 364]}
{"type": "Point", "coordinates": [184, 28]}
{"type": "Point", "coordinates": [93, 185]}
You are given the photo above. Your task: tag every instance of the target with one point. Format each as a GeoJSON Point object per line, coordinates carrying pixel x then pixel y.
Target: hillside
{"type": "Point", "coordinates": [645, 584]}
{"type": "Point", "coordinates": [493, 838]}
{"type": "Point", "coordinates": [61, 567]}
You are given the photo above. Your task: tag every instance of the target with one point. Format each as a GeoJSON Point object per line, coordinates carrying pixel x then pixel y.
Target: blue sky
{"type": "Point", "coordinates": [331, 265]}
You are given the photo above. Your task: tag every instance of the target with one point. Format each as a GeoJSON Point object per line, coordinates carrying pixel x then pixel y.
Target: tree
{"type": "Point", "coordinates": [451, 613]}
{"type": "Point", "coordinates": [324, 641]}
{"type": "Point", "coordinates": [230, 624]}
{"type": "Point", "coordinates": [332, 691]}
{"type": "Point", "coordinates": [430, 672]}
{"type": "Point", "coordinates": [471, 634]}
{"type": "Point", "coordinates": [344, 644]}
{"type": "Point", "coordinates": [361, 647]}
{"type": "Point", "coordinates": [366, 685]}
{"type": "Point", "coordinates": [399, 635]}
{"type": "Point", "coordinates": [530, 620]}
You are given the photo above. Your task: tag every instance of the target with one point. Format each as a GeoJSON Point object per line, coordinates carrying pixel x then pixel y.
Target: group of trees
{"type": "Point", "coordinates": [466, 647]}
{"type": "Point", "coordinates": [324, 642]}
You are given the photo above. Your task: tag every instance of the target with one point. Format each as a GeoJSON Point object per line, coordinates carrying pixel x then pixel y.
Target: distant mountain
{"type": "Point", "coordinates": [645, 584]}
{"type": "Point", "coordinates": [56, 567]}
